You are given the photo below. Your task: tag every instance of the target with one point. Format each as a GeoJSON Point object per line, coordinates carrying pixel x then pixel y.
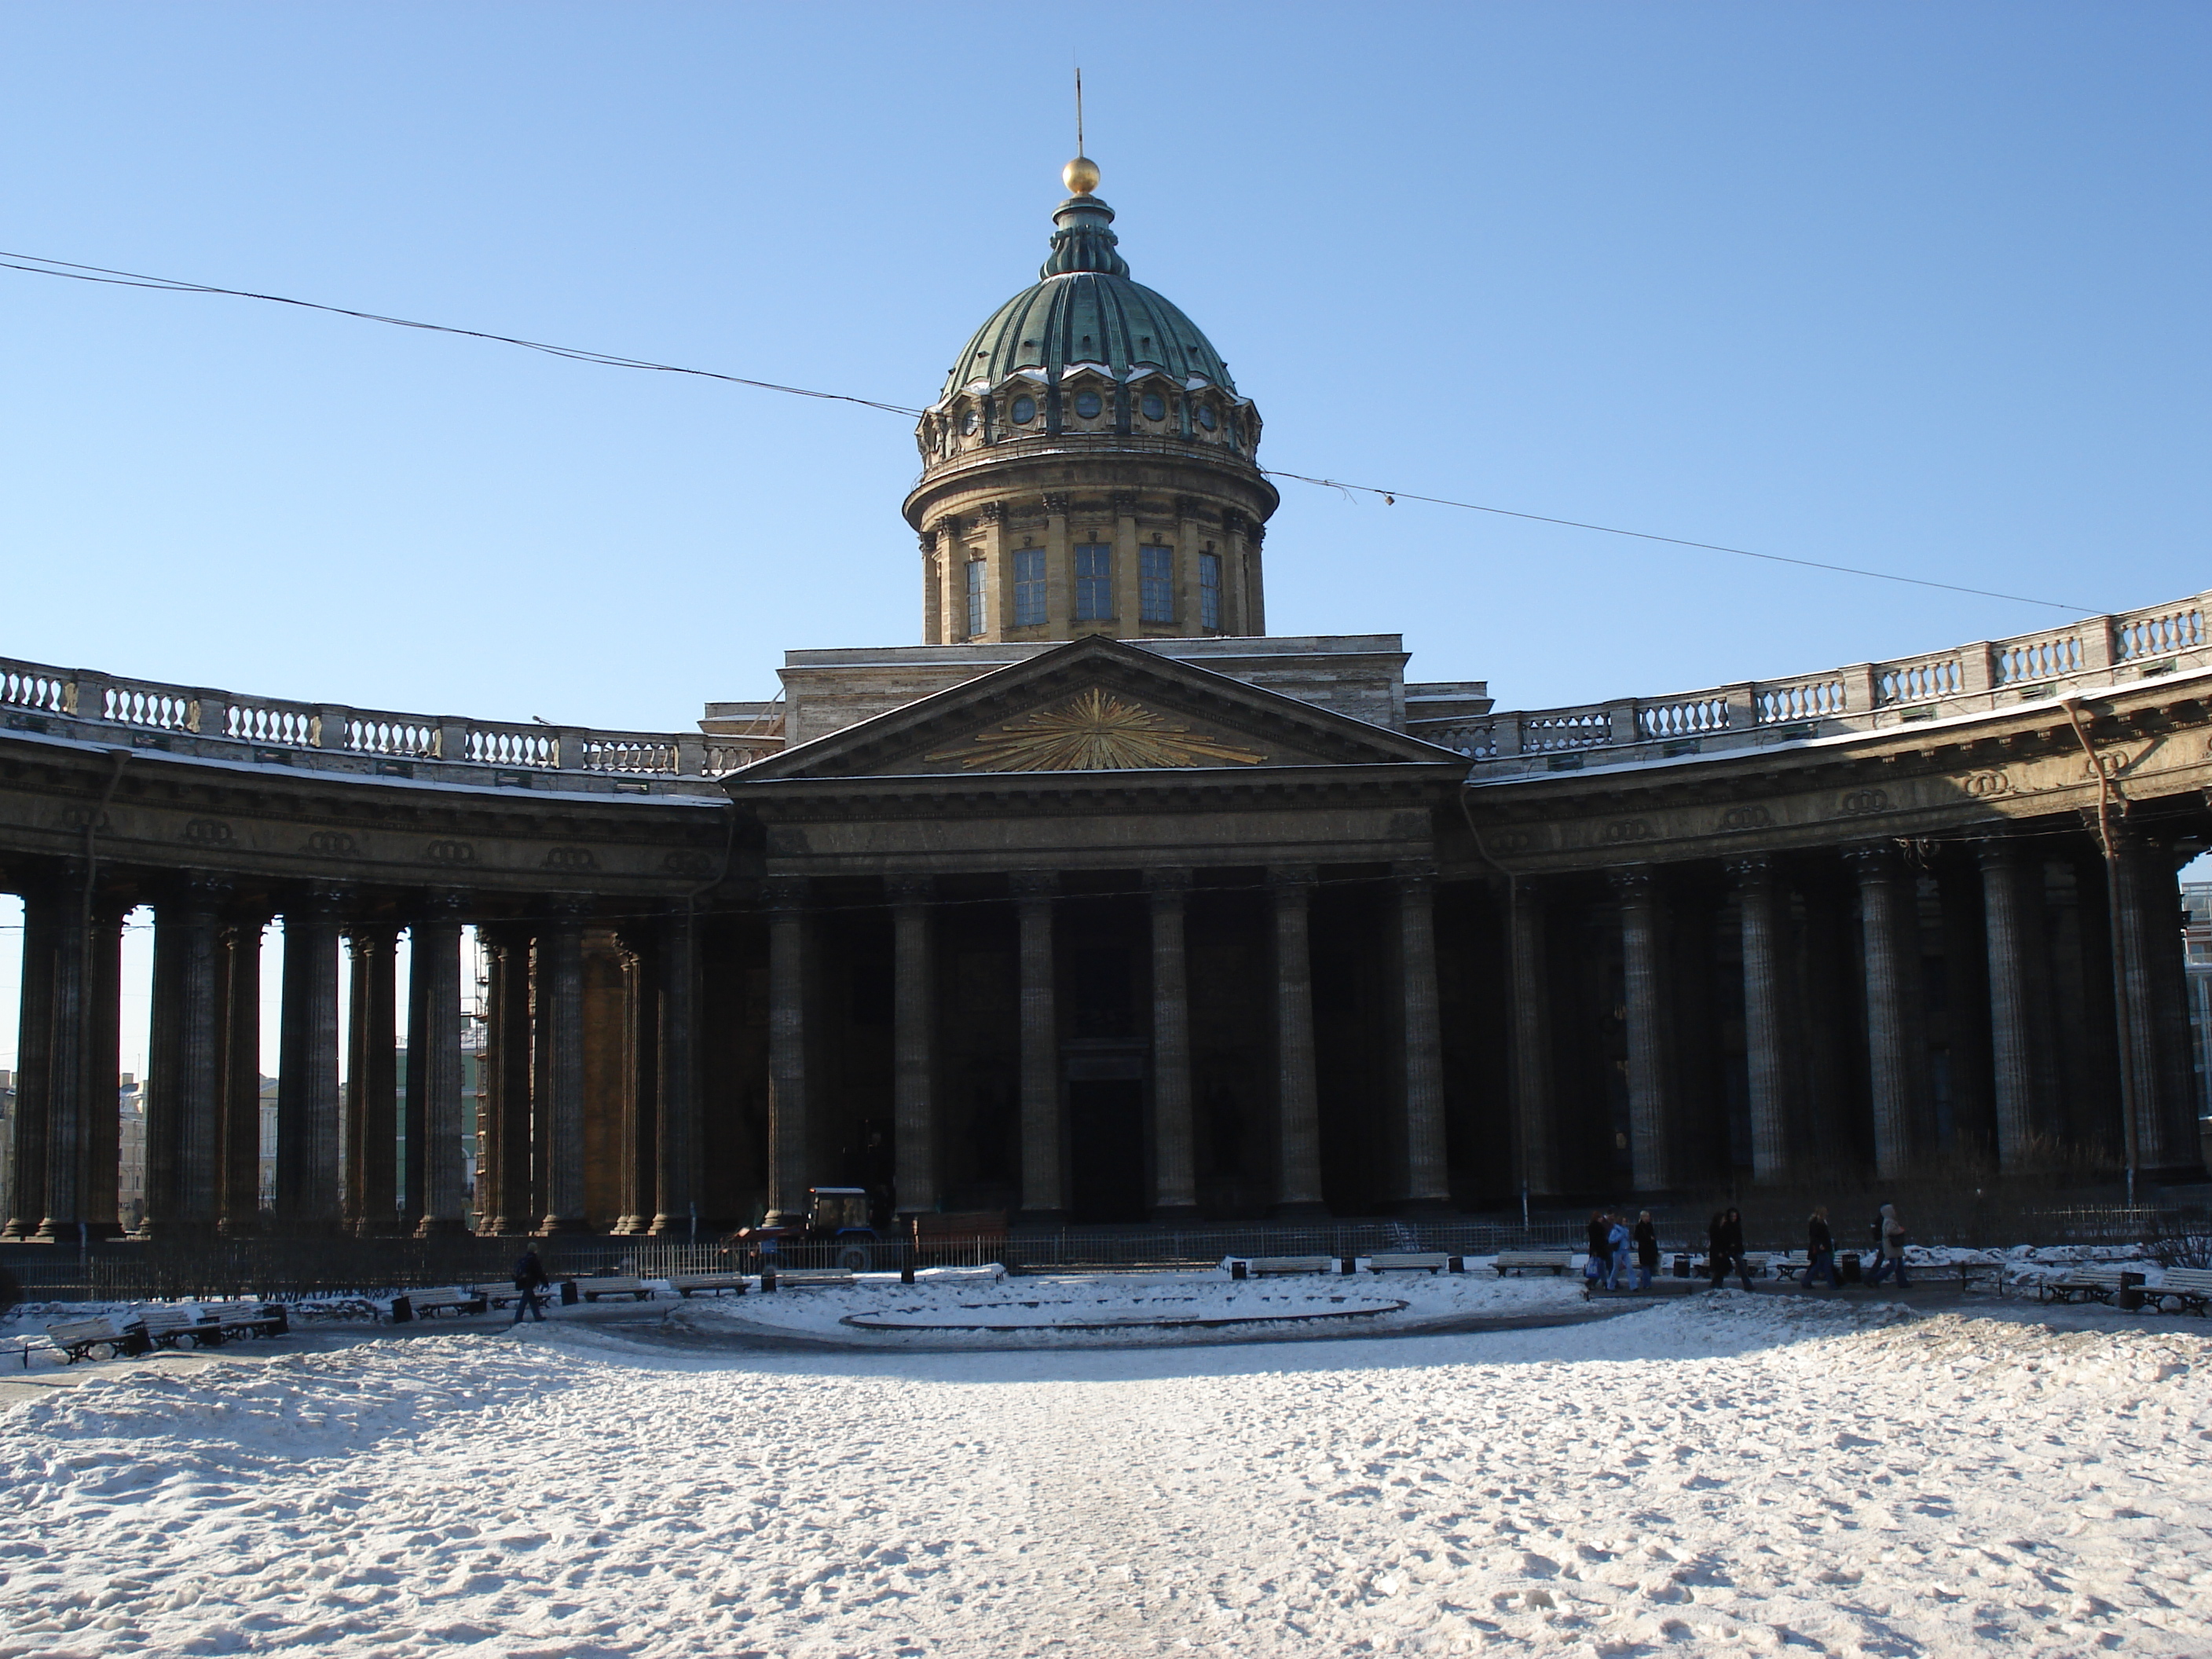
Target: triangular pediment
{"type": "Point", "coordinates": [1096, 706]}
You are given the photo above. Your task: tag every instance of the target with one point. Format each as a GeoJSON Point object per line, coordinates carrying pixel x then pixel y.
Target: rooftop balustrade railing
{"type": "Point", "coordinates": [265, 731]}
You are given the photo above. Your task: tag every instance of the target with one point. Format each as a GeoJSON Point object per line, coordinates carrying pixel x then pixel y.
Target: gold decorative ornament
{"type": "Point", "coordinates": [1095, 732]}
{"type": "Point", "coordinates": [1080, 176]}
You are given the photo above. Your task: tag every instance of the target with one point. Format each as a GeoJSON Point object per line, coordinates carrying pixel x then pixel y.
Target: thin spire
{"type": "Point", "coordinates": [1079, 150]}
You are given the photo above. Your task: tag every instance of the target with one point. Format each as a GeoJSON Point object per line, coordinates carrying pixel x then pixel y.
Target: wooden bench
{"type": "Point", "coordinates": [2189, 1289]}
{"type": "Point", "coordinates": [95, 1339]}
{"type": "Point", "coordinates": [237, 1320]}
{"type": "Point", "coordinates": [1434, 1262]}
{"type": "Point", "coordinates": [591, 1290]}
{"type": "Point", "coordinates": [429, 1303]}
{"type": "Point", "coordinates": [787, 1279]}
{"type": "Point", "coordinates": [500, 1294]}
{"type": "Point", "coordinates": [2082, 1285]}
{"type": "Point", "coordinates": [708, 1283]}
{"type": "Point", "coordinates": [173, 1328]}
{"type": "Point", "coordinates": [1531, 1261]}
{"type": "Point", "coordinates": [1258, 1267]}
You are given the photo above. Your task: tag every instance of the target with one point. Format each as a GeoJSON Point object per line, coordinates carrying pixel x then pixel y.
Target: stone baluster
{"type": "Point", "coordinates": [240, 1155]}
{"type": "Point", "coordinates": [506, 1202]}
{"type": "Point", "coordinates": [2013, 928]}
{"type": "Point", "coordinates": [1773, 1105]}
{"type": "Point", "coordinates": [183, 1074]}
{"type": "Point", "coordinates": [307, 1106]}
{"type": "Point", "coordinates": [1297, 1180]}
{"type": "Point", "coordinates": [676, 1129]}
{"type": "Point", "coordinates": [47, 910]}
{"type": "Point", "coordinates": [372, 1080]}
{"type": "Point", "coordinates": [560, 986]}
{"type": "Point", "coordinates": [785, 899]}
{"type": "Point", "coordinates": [1532, 1038]}
{"type": "Point", "coordinates": [1651, 1118]}
{"type": "Point", "coordinates": [1175, 1187]}
{"type": "Point", "coordinates": [1428, 1181]}
{"type": "Point", "coordinates": [1043, 1179]}
{"type": "Point", "coordinates": [1890, 946]}
{"type": "Point", "coordinates": [437, 1165]}
{"type": "Point", "coordinates": [914, 1061]}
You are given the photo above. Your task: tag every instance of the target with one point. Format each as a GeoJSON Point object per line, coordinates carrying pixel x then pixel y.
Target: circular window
{"type": "Point", "coordinates": [1023, 412]}
{"type": "Point", "coordinates": [968, 423]}
{"type": "Point", "coordinates": [1156, 407]}
{"type": "Point", "coordinates": [1087, 405]}
{"type": "Point", "coordinates": [1206, 417]}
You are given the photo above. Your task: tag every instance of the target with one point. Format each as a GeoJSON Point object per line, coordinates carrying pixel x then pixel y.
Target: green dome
{"type": "Point", "coordinates": [1086, 310]}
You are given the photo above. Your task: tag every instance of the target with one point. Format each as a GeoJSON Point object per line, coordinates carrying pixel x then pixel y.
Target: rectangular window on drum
{"type": "Point", "coordinates": [1156, 570]}
{"type": "Point", "coordinates": [974, 598]}
{"type": "Point", "coordinates": [1209, 592]}
{"type": "Point", "coordinates": [1028, 585]}
{"type": "Point", "coordinates": [1094, 582]}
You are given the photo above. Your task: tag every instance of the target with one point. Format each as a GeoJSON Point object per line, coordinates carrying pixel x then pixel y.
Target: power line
{"type": "Point", "coordinates": [39, 265]}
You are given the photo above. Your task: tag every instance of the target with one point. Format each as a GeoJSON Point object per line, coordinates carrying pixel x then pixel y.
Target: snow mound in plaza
{"type": "Point", "coordinates": [983, 1307]}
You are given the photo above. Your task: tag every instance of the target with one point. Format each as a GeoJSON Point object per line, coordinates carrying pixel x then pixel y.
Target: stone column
{"type": "Point", "coordinates": [68, 1059]}
{"type": "Point", "coordinates": [1174, 1182]}
{"type": "Point", "coordinates": [240, 1156]}
{"type": "Point", "coordinates": [1044, 1179]}
{"type": "Point", "coordinates": [372, 1081]}
{"type": "Point", "coordinates": [1297, 1182]}
{"type": "Point", "coordinates": [2013, 926]}
{"type": "Point", "coordinates": [913, 1116]}
{"type": "Point", "coordinates": [1766, 1059]}
{"type": "Point", "coordinates": [1890, 941]}
{"type": "Point", "coordinates": [561, 1020]}
{"type": "Point", "coordinates": [1532, 1038]}
{"type": "Point", "coordinates": [435, 1118]}
{"type": "Point", "coordinates": [504, 1200]}
{"type": "Point", "coordinates": [676, 1127]}
{"type": "Point", "coordinates": [1428, 1182]}
{"type": "Point", "coordinates": [103, 1138]}
{"type": "Point", "coordinates": [1059, 569]}
{"type": "Point", "coordinates": [1128, 605]}
{"type": "Point", "coordinates": [307, 1197]}
{"type": "Point", "coordinates": [47, 910]}
{"type": "Point", "coordinates": [784, 898]}
{"type": "Point", "coordinates": [2156, 1027]}
{"type": "Point", "coordinates": [184, 1073]}
{"type": "Point", "coordinates": [1650, 1119]}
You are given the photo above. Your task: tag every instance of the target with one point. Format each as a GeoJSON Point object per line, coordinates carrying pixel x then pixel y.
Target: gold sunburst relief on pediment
{"type": "Point", "coordinates": [1096, 732]}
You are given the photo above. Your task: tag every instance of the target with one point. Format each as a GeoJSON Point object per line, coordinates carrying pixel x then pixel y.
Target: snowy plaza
{"type": "Point", "coordinates": [1771, 1471]}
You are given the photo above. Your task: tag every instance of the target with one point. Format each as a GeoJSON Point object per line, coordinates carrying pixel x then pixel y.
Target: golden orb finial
{"type": "Point", "coordinates": [1080, 176]}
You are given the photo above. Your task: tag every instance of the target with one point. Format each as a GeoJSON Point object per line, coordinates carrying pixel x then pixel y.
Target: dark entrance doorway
{"type": "Point", "coordinates": [1106, 1150]}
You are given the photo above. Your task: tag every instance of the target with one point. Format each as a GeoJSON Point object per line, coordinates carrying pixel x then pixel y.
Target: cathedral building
{"type": "Point", "coordinates": [1102, 904]}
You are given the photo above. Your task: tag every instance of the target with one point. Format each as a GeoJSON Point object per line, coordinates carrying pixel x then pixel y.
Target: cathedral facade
{"type": "Point", "coordinates": [1102, 904]}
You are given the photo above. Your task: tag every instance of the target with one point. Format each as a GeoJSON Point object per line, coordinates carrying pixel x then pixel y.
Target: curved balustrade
{"type": "Point", "coordinates": [78, 702]}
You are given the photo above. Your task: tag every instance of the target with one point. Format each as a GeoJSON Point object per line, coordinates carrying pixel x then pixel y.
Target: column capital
{"type": "Point", "coordinates": [993, 512]}
{"type": "Point", "coordinates": [1055, 503]}
{"type": "Point", "coordinates": [1124, 503]}
{"type": "Point", "coordinates": [1189, 506]}
{"type": "Point", "coordinates": [1167, 884]}
{"type": "Point", "coordinates": [568, 906]}
{"type": "Point", "coordinates": [784, 893]}
{"type": "Point", "coordinates": [928, 539]}
{"type": "Point", "coordinates": [1414, 872]}
{"type": "Point", "coordinates": [910, 889]}
{"type": "Point", "coordinates": [1034, 884]}
{"type": "Point", "coordinates": [1637, 885]}
{"type": "Point", "coordinates": [1997, 851]}
{"type": "Point", "coordinates": [321, 902]}
{"type": "Point", "coordinates": [368, 936]}
{"type": "Point", "coordinates": [1288, 877]}
{"type": "Point", "coordinates": [1751, 870]}
{"type": "Point", "coordinates": [442, 904]}
{"type": "Point", "coordinates": [1872, 860]}
{"type": "Point", "coordinates": [199, 897]}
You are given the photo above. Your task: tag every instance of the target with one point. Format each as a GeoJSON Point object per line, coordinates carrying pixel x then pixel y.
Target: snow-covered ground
{"type": "Point", "coordinates": [1764, 1471]}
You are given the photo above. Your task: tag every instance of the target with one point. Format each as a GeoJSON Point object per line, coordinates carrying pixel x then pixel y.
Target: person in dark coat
{"type": "Point", "coordinates": [1601, 1245]}
{"type": "Point", "coordinates": [1647, 1249]}
{"type": "Point", "coordinates": [529, 1279]}
{"type": "Point", "coordinates": [1724, 1240]}
{"type": "Point", "coordinates": [1820, 1250]}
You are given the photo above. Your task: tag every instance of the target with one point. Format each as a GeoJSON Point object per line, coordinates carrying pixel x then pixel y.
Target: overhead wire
{"type": "Point", "coordinates": [39, 266]}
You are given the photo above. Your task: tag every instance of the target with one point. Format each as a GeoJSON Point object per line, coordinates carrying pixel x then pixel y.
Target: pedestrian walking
{"type": "Point", "coordinates": [1820, 1250]}
{"type": "Point", "coordinates": [1724, 1240]}
{"type": "Point", "coordinates": [1616, 1239]}
{"type": "Point", "coordinates": [529, 1279]}
{"type": "Point", "coordinates": [1891, 1231]}
{"type": "Point", "coordinates": [1600, 1247]}
{"type": "Point", "coordinates": [1647, 1249]}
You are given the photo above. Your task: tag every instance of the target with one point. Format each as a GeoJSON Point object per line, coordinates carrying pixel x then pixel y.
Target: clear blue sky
{"type": "Point", "coordinates": [1918, 286]}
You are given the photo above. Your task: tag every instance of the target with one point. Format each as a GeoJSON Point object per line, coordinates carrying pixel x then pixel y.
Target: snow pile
{"type": "Point", "coordinates": [976, 1307]}
{"type": "Point", "coordinates": [1726, 1471]}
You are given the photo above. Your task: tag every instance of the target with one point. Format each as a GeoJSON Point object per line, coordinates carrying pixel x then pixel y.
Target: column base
{"type": "Point", "coordinates": [554, 1225]}
{"type": "Point", "coordinates": [65, 1232]}
{"type": "Point", "coordinates": [1308, 1209]}
{"type": "Point", "coordinates": [1178, 1215]}
{"type": "Point", "coordinates": [498, 1226]}
{"type": "Point", "coordinates": [679, 1227]}
{"type": "Point", "coordinates": [440, 1226]}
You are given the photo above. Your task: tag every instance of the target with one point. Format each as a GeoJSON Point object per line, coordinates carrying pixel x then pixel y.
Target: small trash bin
{"type": "Point", "coordinates": [402, 1310]}
{"type": "Point", "coordinates": [570, 1296]}
{"type": "Point", "coordinates": [1681, 1266]}
{"type": "Point", "coordinates": [2132, 1297]}
{"type": "Point", "coordinates": [1850, 1264]}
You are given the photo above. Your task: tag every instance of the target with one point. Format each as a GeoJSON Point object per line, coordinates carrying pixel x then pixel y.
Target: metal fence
{"type": "Point", "coordinates": [298, 1269]}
